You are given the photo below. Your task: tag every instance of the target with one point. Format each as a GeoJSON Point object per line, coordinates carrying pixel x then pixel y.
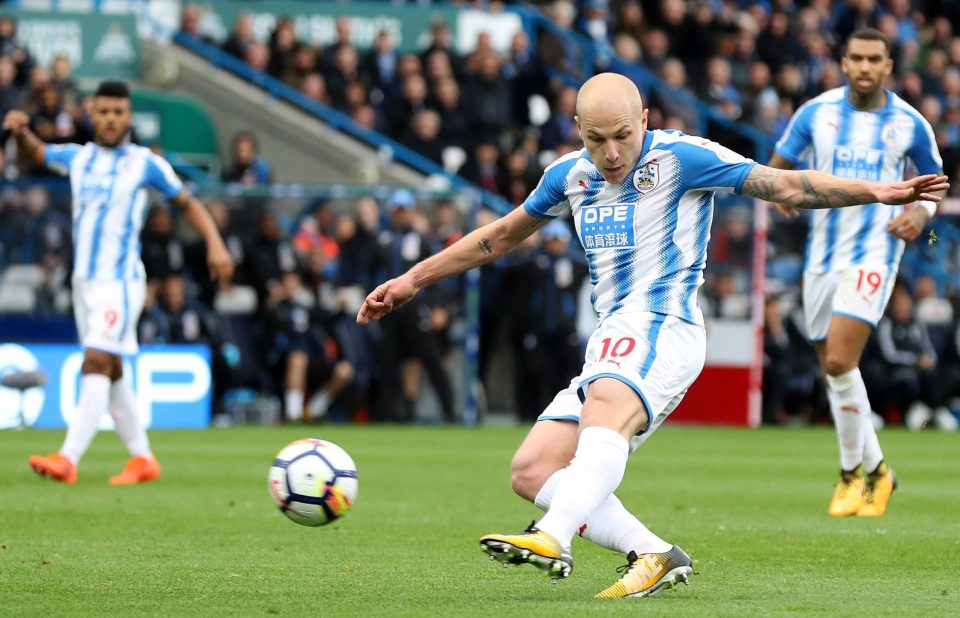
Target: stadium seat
{"type": "Point", "coordinates": [539, 110]}
{"type": "Point", "coordinates": [453, 158]}
{"type": "Point", "coordinates": [23, 274]}
{"type": "Point", "coordinates": [17, 298]}
{"type": "Point", "coordinates": [934, 311]}
{"type": "Point", "coordinates": [238, 300]}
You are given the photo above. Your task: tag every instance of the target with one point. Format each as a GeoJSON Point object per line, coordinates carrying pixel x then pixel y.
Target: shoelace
{"type": "Point", "coordinates": [532, 528]}
{"type": "Point", "coordinates": [631, 559]}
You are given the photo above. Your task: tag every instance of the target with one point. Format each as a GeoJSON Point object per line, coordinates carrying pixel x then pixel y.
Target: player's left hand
{"type": "Point", "coordinates": [925, 187]}
{"type": "Point", "coordinates": [908, 224]}
{"type": "Point", "coordinates": [220, 263]}
{"type": "Point", "coordinates": [786, 210]}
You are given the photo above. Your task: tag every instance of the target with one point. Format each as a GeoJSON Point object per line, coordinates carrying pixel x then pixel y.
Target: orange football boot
{"type": "Point", "coordinates": [56, 466]}
{"type": "Point", "coordinates": [139, 469]}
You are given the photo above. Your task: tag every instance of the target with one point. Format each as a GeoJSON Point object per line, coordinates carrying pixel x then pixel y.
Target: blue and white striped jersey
{"type": "Point", "coordinates": [830, 135]}
{"type": "Point", "coordinates": [109, 203]}
{"type": "Point", "coordinates": [646, 237]}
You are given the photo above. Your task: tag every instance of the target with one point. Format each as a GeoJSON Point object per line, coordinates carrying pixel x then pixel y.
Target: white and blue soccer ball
{"type": "Point", "coordinates": [313, 481]}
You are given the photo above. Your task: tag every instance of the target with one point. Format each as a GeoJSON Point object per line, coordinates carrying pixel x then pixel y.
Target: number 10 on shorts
{"type": "Point", "coordinates": [622, 347]}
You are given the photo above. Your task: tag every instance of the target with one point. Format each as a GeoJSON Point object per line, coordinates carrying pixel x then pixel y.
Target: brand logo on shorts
{"type": "Point", "coordinates": [647, 177]}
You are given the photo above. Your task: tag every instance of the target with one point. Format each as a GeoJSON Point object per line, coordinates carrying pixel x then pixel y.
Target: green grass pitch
{"type": "Point", "coordinates": [205, 539]}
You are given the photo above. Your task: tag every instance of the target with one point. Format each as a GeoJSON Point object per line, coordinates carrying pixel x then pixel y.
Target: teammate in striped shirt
{"type": "Point", "coordinates": [642, 202]}
{"type": "Point", "coordinates": [860, 131]}
{"type": "Point", "coordinates": [108, 179]}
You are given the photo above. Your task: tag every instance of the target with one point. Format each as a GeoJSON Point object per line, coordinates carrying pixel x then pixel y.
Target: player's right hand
{"type": "Point", "coordinates": [220, 263]}
{"type": "Point", "coordinates": [16, 121]}
{"type": "Point", "coordinates": [388, 296]}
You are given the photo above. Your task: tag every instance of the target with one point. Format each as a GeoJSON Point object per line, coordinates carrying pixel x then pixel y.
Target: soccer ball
{"type": "Point", "coordinates": [313, 481]}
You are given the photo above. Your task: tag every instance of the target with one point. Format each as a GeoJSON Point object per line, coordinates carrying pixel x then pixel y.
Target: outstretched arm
{"type": "Point", "coordinates": [477, 248]}
{"type": "Point", "coordinates": [810, 189]}
{"type": "Point", "coordinates": [29, 147]}
{"type": "Point", "coordinates": [778, 161]}
{"type": "Point", "coordinates": [218, 258]}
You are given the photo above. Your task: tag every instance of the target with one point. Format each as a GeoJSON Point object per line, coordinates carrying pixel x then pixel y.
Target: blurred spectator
{"type": "Point", "coordinates": [718, 91]}
{"type": "Point", "coordinates": [413, 98]}
{"type": "Point", "coordinates": [301, 351]}
{"type": "Point", "coordinates": [441, 39]}
{"type": "Point", "coordinates": [672, 104]}
{"type": "Point", "coordinates": [560, 127]}
{"type": "Point", "coordinates": [355, 97]}
{"type": "Point", "coordinates": [776, 362]}
{"type": "Point", "coordinates": [233, 239]}
{"type": "Point", "coordinates": [776, 45]}
{"type": "Point", "coordinates": [630, 20]}
{"type": "Point", "coordinates": [423, 135]}
{"type": "Point", "coordinates": [856, 15]}
{"type": "Point", "coordinates": [49, 120]}
{"type": "Point", "coordinates": [315, 233]}
{"type": "Point", "coordinates": [488, 100]}
{"type": "Point", "coordinates": [314, 87]}
{"type": "Point", "coordinates": [190, 18]}
{"type": "Point", "coordinates": [303, 65]}
{"type": "Point", "coordinates": [178, 318]}
{"type": "Point", "coordinates": [246, 166]}
{"type": "Point", "coordinates": [526, 75]}
{"type": "Point", "coordinates": [656, 49]}
{"type": "Point", "coordinates": [162, 252]}
{"type": "Point", "coordinates": [241, 36]}
{"type": "Point", "coordinates": [437, 66]}
{"type": "Point", "coordinates": [356, 263]}
{"type": "Point", "coordinates": [909, 379]}
{"type": "Point", "coordinates": [11, 48]}
{"type": "Point", "coordinates": [410, 331]}
{"type": "Point", "coordinates": [453, 123]}
{"type": "Point", "coordinates": [10, 92]}
{"type": "Point", "coordinates": [344, 71]}
{"type": "Point", "coordinates": [483, 167]}
{"type": "Point", "coordinates": [283, 48]}
{"type": "Point", "coordinates": [343, 33]}
{"type": "Point", "coordinates": [62, 79]}
{"type": "Point", "coordinates": [381, 62]}
{"type": "Point", "coordinates": [270, 255]}
{"type": "Point", "coordinates": [257, 55]}
{"type": "Point", "coordinates": [545, 287]}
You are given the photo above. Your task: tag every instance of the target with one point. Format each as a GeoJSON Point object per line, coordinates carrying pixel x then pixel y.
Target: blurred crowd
{"type": "Point", "coordinates": [752, 61]}
{"type": "Point", "coordinates": [286, 326]}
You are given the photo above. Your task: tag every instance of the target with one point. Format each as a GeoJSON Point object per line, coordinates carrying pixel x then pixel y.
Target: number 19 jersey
{"type": "Point", "coordinates": [830, 135]}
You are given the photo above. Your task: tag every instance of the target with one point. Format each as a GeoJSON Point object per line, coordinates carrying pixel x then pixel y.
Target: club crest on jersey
{"type": "Point", "coordinates": [647, 177]}
{"type": "Point", "coordinates": [890, 134]}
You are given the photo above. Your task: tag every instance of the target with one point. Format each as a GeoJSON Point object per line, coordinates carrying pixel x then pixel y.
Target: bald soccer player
{"type": "Point", "coordinates": [642, 202]}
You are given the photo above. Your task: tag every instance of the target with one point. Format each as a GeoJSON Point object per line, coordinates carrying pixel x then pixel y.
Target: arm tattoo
{"type": "Point", "coordinates": [764, 182]}
{"type": "Point", "coordinates": [811, 197]}
{"type": "Point", "coordinates": [485, 247]}
{"type": "Point", "coordinates": [535, 225]}
{"type": "Point", "coordinates": [761, 182]}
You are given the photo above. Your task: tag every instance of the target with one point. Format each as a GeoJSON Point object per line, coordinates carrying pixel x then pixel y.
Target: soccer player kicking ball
{"type": "Point", "coordinates": [642, 202]}
{"type": "Point", "coordinates": [866, 132]}
{"type": "Point", "coordinates": [108, 179]}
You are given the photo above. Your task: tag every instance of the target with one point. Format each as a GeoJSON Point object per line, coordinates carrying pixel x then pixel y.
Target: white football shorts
{"type": "Point", "coordinates": [658, 356]}
{"type": "Point", "coordinates": [859, 292]}
{"type": "Point", "coordinates": [106, 312]}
